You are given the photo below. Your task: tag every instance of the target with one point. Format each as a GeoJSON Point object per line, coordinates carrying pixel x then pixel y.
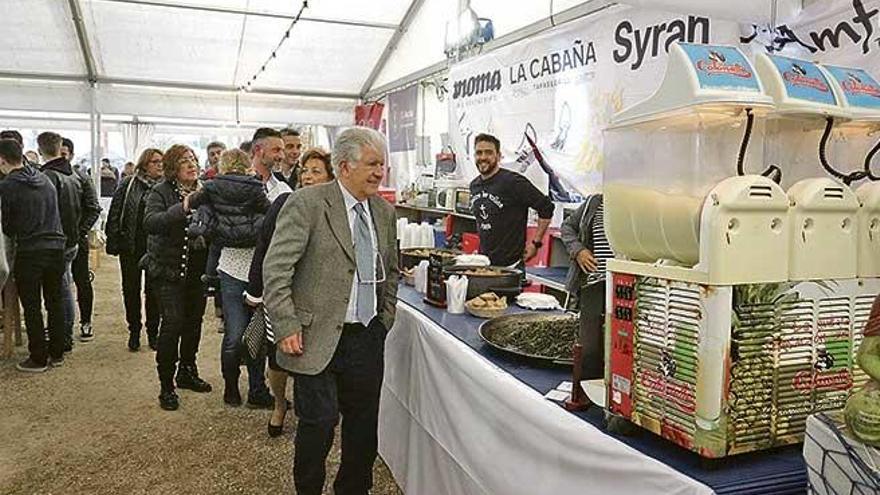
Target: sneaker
{"type": "Point", "coordinates": [153, 342]}
{"type": "Point", "coordinates": [56, 362]}
{"type": "Point", "coordinates": [134, 341]}
{"type": "Point", "coordinates": [188, 378]}
{"type": "Point", "coordinates": [68, 344]}
{"type": "Point", "coordinates": [30, 366]}
{"type": "Point", "coordinates": [260, 401]}
{"type": "Point", "coordinates": [168, 400]}
{"type": "Point", "coordinates": [85, 332]}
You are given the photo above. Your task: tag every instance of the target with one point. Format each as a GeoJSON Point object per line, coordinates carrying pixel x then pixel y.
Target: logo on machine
{"type": "Point", "coordinates": [797, 76]}
{"type": "Point", "coordinates": [717, 65]}
{"type": "Point", "coordinates": [806, 381]}
{"type": "Point", "coordinates": [667, 364]}
{"type": "Point", "coordinates": [855, 86]}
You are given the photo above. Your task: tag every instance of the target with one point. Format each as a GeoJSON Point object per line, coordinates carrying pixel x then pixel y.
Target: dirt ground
{"type": "Point", "coordinates": [94, 425]}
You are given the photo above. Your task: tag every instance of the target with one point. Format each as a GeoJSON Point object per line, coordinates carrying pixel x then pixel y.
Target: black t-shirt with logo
{"type": "Point", "coordinates": [501, 205]}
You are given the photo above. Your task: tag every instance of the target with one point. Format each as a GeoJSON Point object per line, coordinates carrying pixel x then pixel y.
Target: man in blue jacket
{"type": "Point", "coordinates": [31, 220]}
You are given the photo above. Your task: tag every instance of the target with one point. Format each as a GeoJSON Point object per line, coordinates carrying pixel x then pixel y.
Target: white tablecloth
{"type": "Point", "coordinates": [453, 423]}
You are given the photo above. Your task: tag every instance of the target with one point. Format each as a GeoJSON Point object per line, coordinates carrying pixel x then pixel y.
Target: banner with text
{"type": "Point", "coordinates": [548, 98]}
{"type": "Point", "coordinates": [842, 32]}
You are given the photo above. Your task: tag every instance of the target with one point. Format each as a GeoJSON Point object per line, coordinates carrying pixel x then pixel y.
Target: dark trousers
{"type": "Point", "coordinates": [591, 304]}
{"type": "Point", "coordinates": [132, 275]}
{"type": "Point", "coordinates": [182, 305]}
{"type": "Point", "coordinates": [40, 273]}
{"type": "Point", "coordinates": [348, 386]}
{"type": "Point", "coordinates": [85, 295]}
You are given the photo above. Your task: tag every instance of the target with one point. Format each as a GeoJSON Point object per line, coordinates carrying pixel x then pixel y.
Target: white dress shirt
{"type": "Point", "coordinates": [350, 202]}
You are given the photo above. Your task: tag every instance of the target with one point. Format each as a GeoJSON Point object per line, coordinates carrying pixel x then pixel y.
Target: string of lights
{"type": "Point", "coordinates": [253, 80]}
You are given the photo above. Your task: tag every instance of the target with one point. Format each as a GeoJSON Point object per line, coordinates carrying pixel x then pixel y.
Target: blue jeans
{"type": "Point", "coordinates": [67, 293]}
{"type": "Point", "coordinates": [236, 316]}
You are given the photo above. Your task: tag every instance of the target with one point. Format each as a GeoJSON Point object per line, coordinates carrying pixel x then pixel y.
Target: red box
{"type": "Point", "coordinates": [470, 243]}
{"type": "Point", "coordinates": [390, 195]}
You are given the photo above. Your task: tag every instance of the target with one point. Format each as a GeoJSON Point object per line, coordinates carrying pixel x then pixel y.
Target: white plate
{"type": "Point", "coordinates": [537, 301]}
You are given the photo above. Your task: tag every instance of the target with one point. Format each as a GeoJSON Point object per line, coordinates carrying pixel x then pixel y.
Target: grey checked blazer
{"type": "Point", "coordinates": [308, 270]}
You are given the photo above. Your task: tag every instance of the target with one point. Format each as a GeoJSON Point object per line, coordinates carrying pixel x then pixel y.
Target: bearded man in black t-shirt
{"type": "Point", "coordinates": [500, 201]}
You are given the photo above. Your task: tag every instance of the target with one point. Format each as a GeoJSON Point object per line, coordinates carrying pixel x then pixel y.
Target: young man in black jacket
{"type": "Point", "coordinates": [500, 201]}
{"type": "Point", "coordinates": [85, 294]}
{"type": "Point", "coordinates": [31, 220]}
{"type": "Point", "coordinates": [78, 208]}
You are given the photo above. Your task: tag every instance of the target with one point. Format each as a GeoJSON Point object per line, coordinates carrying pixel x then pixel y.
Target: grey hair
{"type": "Point", "coordinates": [351, 142]}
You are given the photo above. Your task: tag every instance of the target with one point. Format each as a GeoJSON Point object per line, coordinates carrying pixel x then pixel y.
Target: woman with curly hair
{"type": "Point", "coordinates": [175, 262]}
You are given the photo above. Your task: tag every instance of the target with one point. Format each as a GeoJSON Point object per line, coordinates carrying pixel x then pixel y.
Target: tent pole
{"type": "Point", "coordinates": [94, 128]}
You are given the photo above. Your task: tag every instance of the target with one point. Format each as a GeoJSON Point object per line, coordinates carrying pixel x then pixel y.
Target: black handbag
{"type": "Point", "coordinates": [254, 337]}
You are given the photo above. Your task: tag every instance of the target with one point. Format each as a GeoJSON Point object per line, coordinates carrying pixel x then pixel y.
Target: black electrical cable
{"type": "Point", "coordinates": [823, 159]}
{"type": "Point", "coordinates": [868, 159]}
{"type": "Point", "coordinates": [744, 146]}
{"type": "Point", "coordinates": [772, 172]}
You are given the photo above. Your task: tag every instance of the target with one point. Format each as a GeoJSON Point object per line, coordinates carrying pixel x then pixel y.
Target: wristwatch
{"type": "Point", "coordinates": [537, 243]}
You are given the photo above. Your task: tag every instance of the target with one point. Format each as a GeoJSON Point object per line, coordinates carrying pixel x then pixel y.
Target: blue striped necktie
{"type": "Point", "coordinates": [366, 266]}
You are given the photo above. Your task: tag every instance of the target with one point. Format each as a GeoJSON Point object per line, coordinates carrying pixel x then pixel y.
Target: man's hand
{"type": "Point", "coordinates": [292, 345]}
{"type": "Point", "coordinates": [530, 251]}
{"type": "Point", "coordinates": [586, 261]}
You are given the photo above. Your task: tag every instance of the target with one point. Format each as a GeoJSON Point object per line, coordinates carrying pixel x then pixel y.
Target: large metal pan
{"type": "Point", "coordinates": [411, 257]}
{"type": "Point", "coordinates": [498, 333]}
{"type": "Point", "coordinates": [505, 283]}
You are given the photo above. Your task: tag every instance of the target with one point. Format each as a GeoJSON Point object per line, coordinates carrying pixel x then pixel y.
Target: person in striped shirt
{"type": "Point", "coordinates": [583, 234]}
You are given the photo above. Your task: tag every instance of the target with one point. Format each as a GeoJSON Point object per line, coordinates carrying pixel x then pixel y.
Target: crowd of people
{"type": "Point", "coordinates": [183, 234]}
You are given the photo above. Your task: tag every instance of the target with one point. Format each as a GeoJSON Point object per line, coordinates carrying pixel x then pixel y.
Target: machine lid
{"type": "Point", "coordinates": [713, 82]}
{"type": "Point", "coordinates": [857, 90]}
{"type": "Point", "coordinates": [799, 88]}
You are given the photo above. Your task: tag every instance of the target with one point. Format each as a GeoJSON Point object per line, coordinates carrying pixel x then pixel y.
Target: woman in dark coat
{"type": "Point", "coordinates": [127, 238]}
{"type": "Point", "coordinates": [316, 169]}
{"type": "Point", "coordinates": [175, 261]}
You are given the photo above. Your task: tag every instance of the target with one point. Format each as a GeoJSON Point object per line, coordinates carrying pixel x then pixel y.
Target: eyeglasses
{"type": "Point", "coordinates": [379, 276]}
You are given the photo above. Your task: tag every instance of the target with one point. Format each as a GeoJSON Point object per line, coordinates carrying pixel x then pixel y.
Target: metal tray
{"type": "Point", "coordinates": [489, 331]}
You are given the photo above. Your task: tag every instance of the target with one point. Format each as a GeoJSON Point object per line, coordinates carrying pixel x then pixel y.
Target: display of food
{"type": "Point", "coordinates": [482, 279]}
{"type": "Point", "coordinates": [410, 257]}
{"type": "Point", "coordinates": [427, 252]}
{"type": "Point", "coordinates": [487, 305]}
{"type": "Point", "coordinates": [482, 272]}
{"type": "Point", "coordinates": [546, 337]}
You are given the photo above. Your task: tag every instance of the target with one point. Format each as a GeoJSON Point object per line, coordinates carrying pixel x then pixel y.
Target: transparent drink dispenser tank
{"type": "Point", "coordinates": [673, 194]}
{"type": "Point", "coordinates": [824, 209]}
{"type": "Point", "coordinates": [859, 143]}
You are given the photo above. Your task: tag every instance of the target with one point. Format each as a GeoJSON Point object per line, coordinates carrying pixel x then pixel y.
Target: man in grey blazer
{"type": "Point", "coordinates": [330, 289]}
